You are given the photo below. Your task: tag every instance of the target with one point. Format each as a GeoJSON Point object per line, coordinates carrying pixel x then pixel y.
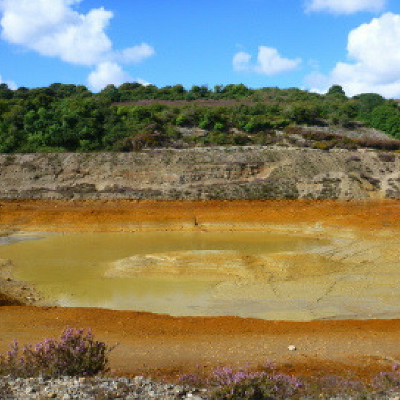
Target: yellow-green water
{"type": "Point", "coordinates": [69, 269]}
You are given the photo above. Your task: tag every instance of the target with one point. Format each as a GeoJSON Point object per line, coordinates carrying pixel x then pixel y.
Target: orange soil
{"type": "Point", "coordinates": [123, 215]}
{"type": "Point", "coordinates": [161, 345]}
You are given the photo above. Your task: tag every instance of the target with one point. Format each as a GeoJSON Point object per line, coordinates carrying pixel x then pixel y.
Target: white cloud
{"type": "Point", "coordinates": [314, 64]}
{"type": "Point", "coordinates": [142, 82]}
{"type": "Point", "coordinates": [135, 54]}
{"type": "Point", "coordinates": [54, 28]}
{"type": "Point", "coordinates": [241, 61]}
{"type": "Point", "coordinates": [317, 82]}
{"type": "Point", "coordinates": [374, 49]}
{"type": "Point", "coordinates": [11, 84]}
{"type": "Point", "coordinates": [269, 62]}
{"type": "Point", "coordinates": [345, 6]}
{"type": "Point", "coordinates": [108, 73]}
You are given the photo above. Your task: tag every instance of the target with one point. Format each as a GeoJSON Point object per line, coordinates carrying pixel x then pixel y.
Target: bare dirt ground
{"type": "Point", "coordinates": [160, 345]}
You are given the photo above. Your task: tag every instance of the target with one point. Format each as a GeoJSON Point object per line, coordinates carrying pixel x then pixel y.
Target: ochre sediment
{"type": "Point", "coordinates": [157, 344]}
{"type": "Point", "coordinates": [127, 215]}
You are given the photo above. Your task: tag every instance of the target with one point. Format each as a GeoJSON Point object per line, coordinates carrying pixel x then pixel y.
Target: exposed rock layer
{"type": "Point", "coordinates": [202, 173]}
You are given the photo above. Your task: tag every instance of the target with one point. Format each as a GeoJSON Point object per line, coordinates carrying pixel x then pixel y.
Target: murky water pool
{"type": "Point", "coordinates": [165, 272]}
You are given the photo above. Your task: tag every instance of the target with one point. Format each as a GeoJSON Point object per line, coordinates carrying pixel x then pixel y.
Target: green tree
{"type": "Point", "coordinates": [386, 117]}
{"type": "Point", "coordinates": [111, 93]}
{"type": "Point", "coordinates": [366, 103]}
{"type": "Point", "coordinates": [337, 92]}
{"type": "Point", "coordinates": [199, 91]}
{"type": "Point", "coordinates": [11, 128]}
{"type": "Point", "coordinates": [5, 91]}
{"type": "Point", "coordinates": [236, 91]}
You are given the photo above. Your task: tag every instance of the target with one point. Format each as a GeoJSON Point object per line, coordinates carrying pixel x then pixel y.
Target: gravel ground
{"type": "Point", "coordinates": [94, 388]}
{"type": "Point", "coordinates": [98, 388]}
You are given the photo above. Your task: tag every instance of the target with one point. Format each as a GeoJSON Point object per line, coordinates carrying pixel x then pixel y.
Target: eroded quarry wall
{"type": "Point", "coordinates": [202, 173]}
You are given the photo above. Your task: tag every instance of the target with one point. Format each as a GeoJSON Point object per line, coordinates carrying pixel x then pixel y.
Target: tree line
{"type": "Point", "coordinates": [66, 117]}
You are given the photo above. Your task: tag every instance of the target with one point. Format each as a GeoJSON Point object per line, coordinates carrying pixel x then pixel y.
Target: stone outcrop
{"type": "Point", "coordinates": [202, 173]}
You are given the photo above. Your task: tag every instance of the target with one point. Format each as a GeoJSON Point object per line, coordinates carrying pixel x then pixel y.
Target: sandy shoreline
{"type": "Point", "coordinates": [14, 292]}
{"type": "Point", "coordinates": [162, 345]}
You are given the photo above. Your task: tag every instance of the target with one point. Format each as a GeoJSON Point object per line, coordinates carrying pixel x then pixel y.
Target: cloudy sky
{"type": "Point", "coordinates": [310, 44]}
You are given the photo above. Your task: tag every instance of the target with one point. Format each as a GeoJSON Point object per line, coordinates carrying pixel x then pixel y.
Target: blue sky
{"type": "Point", "coordinates": [309, 44]}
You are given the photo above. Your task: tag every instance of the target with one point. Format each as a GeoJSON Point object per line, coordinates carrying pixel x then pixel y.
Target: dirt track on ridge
{"type": "Point", "coordinates": [160, 345]}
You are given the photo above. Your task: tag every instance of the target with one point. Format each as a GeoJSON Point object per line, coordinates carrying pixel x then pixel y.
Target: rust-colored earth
{"type": "Point", "coordinates": [127, 215]}
{"type": "Point", "coordinates": [160, 345]}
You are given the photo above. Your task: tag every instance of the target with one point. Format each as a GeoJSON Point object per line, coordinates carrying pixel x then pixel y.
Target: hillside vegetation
{"type": "Point", "coordinates": [69, 118]}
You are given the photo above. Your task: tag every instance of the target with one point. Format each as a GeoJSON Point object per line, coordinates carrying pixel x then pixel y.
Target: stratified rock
{"type": "Point", "coordinates": [202, 173]}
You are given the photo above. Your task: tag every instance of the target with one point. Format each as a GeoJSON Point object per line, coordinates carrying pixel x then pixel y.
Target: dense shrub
{"type": "Point", "coordinates": [293, 130]}
{"type": "Point", "coordinates": [387, 381]}
{"type": "Point", "coordinates": [241, 384]}
{"type": "Point", "coordinates": [75, 354]}
{"type": "Point", "coordinates": [62, 118]}
{"type": "Point", "coordinates": [226, 383]}
{"type": "Point", "coordinates": [379, 144]}
{"type": "Point", "coordinates": [326, 145]}
{"type": "Point", "coordinates": [337, 387]}
{"type": "Point", "coordinates": [387, 157]}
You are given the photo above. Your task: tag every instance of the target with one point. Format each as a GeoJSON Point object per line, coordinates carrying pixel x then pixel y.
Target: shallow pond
{"type": "Point", "coordinates": [166, 272]}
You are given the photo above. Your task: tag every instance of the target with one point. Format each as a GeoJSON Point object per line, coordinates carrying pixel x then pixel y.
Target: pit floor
{"type": "Point", "coordinates": [161, 345]}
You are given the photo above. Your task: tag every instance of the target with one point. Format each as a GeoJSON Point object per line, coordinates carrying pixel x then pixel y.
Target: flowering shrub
{"type": "Point", "coordinates": [332, 386]}
{"type": "Point", "coordinates": [243, 384]}
{"type": "Point", "coordinates": [75, 354]}
{"type": "Point", "coordinates": [226, 383]}
{"type": "Point", "coordinates": [388, 381]}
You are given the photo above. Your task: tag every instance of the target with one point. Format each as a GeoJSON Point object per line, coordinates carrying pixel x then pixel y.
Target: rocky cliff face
{"type": "Point", "coordinates": [202, 173]}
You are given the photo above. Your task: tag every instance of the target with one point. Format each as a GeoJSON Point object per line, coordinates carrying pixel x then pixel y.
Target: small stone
{"type": "Point", "coordinates": [292, 347]}
{"type": "Point", "coordinates": [138, 379]}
